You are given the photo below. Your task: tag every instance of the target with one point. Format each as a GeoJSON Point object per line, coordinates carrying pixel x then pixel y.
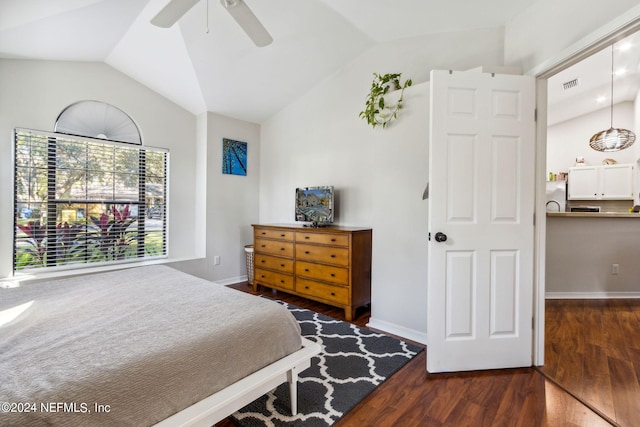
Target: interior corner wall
{"type": "Point", "coordinates": [198, 265]}
{"type": "Point", "coordinates": [379, 174]}
{"type": "Point", "coordinates": [232, 200]}
{"type": "Point", "coordinates": [35, 92]}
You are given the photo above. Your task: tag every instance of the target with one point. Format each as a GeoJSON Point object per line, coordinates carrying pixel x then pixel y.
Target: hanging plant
{"type": "Point", "coordinates": [379, 112]}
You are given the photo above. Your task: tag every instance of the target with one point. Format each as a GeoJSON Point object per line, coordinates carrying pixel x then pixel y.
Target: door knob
{"type": "Point", "coordinates": [441, 237]}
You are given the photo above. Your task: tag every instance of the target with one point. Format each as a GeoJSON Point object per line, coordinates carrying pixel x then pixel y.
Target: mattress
{"type": "Point", "coordinates": [131, 347]}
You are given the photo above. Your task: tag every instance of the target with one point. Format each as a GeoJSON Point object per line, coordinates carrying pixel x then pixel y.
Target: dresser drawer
{"type": "Point", "coordinates": [323, 239]}
{"type": "Point", "coordinates": [270, 278]}
{"type": "Point", "coordinates": [326, 254]}
{"type": "Point", "coordinates": [274, 263]}
{"type": "Point", "coordinates": [331, 265]}
{"type": "Point", "coordinates": [274, 247]}
{"type": "Point", "coordinates": [274, 234]}
{"type": "Point", "coordinates": [324, 272]}
{"type": "Point", "coordinates": [336, 294]}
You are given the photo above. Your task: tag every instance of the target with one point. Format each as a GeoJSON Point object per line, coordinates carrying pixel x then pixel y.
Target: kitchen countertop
{"type": "Point", "coordinates": [594, 214]}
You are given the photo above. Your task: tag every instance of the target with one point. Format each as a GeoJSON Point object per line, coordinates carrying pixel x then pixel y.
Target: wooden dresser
{"type": "Point", "coordinates": [327, 264]}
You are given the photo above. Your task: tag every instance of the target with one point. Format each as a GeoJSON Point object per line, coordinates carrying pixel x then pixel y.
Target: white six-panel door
{"type": "Point", "coordinates": [481, 179]}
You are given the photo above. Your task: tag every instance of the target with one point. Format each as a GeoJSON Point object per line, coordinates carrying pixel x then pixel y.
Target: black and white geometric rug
{"type": "Point", "coordinates": [354, 361]}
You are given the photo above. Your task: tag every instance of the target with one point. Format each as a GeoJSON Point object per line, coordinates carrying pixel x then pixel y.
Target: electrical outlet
{"type": "Point", "coordinates": [615, 269]}
{"type": "Point", "coordinates": [216, 260]}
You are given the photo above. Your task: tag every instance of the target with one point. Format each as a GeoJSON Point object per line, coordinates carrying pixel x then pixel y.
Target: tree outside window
{"type": "Point", "coordinates": [79, 200]}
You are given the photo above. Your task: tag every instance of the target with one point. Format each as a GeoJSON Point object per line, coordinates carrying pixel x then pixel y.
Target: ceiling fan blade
{"type": "Point", "coordinates": [173, 11]}
{"type": "Point", "coordinates": [248, 21]}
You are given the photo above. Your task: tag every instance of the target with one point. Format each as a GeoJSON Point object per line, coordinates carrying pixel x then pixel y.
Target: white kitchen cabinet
{"type": "Point", "coordinates": [583, 183]}
{"type": "Point", "coordinates": [617, 182]}
{"type": "Point", "coordinates": [607, 182]}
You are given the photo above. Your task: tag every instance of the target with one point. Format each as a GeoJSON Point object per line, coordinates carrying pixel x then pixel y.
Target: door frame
{"type": "Point", "coordinates": [601, 38]}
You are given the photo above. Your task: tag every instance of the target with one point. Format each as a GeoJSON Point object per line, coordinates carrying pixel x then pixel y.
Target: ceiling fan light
{"type": "Point", "coordinates": [612, 139]}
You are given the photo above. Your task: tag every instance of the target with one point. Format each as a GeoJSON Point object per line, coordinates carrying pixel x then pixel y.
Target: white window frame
{"type": "Point", "coordinates": [115, 236]}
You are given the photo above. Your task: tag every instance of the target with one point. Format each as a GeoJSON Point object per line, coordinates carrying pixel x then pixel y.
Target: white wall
{"type": "Point", "coordinates": [35, 92]}
{"type": "Point", "coordinates": [319, 140]}
{"type": "Point", "coordinates": [231, 203]}
{"type": "Point", "coordinates": [548, 27]}
{"type": "Point", "coordinates": [580, 252]}
{"type": "Point", "coordinates": [379, 174]}
{"type": "Point", "coordinates": [210, 213]}
{"type": "Point", "coordinates": [570, 139]}
{"type": "Point", "coordinates": [636, 115]}
{"type": "Point", "coordinates": [232, 200]}
{"type": "Point", "coordinates": [545, 35]}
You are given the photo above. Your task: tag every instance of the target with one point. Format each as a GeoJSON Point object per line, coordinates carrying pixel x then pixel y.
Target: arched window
{"type": "Point", "coordinates": [86, 199]}
{"type": "Point", "coordinates": [97, 119]}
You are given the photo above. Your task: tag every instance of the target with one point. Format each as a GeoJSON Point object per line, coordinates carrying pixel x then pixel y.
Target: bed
{"type": "Point", "coordinates": [141, 346]}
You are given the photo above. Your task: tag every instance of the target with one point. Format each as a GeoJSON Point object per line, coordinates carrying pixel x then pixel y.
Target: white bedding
{"type": "Point", "coordinates": [140, 344]}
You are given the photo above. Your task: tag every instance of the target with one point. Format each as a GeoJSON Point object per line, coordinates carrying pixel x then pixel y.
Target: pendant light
{"type": "Point", "coordinates": [612, 139]}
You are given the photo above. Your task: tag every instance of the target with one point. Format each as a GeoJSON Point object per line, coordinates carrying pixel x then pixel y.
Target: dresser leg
{"type": "Point", "coordinates": [349, 313]}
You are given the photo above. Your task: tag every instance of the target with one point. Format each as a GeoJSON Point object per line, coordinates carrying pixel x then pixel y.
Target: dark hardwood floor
{"type": "Point", "coordinates": [411, 397]}
{"type": "Point", "coordinates": [592, 348]}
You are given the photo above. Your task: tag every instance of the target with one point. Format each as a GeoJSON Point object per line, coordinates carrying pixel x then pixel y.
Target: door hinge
{"type": "Point", "coordinates": [429, 236]}
{"type": "Point", "coordinates": [535, 114]}
{"type": "Point", "coordinates": [534, 219]}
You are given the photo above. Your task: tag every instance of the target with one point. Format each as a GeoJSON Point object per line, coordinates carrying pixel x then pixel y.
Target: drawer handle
{"type": "Point", "coordinates": [281, 265]}
{"type": "Point", "coordinates": [306, 287]}
{"type": "Point", "coordinates": [333, 294]}
{"type": "Point", "coordinates": [282, 235]}
{"type": "Point", "coordinates": [306, 252]}
{"type": "Point", "coordinates": [333, 256]}
{"type": "Point", "coordinates": [306, 269]}
{"type": "Point", "coordinates": [333, 240]}
{"type": "Point", "coordinates": [306, 237]}
{"type": "Point", "coordinates": [264, 233]}
{"type": "Point", "coordinates": [333, 275]}
{"type": "Point", "coordinates": [281, 281]}
{"type": "Point", "coordinates": [262, 261]}
{"type": "Point", "coordinates": [263, 246]}
{"type": "Point", "coordinates": [262, 275]}
{"type": "Point", "coordinates": [282, 249]}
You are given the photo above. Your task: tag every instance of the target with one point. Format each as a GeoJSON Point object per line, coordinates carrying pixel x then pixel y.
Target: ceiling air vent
{"type": "Point", "coordinates": [570, 84]}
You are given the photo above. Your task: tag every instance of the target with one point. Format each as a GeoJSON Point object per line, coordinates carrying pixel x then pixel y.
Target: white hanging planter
{"type": "Point", "coordinates": [384, 100]}
{"type": "Point", "coordinates": [392, 104]}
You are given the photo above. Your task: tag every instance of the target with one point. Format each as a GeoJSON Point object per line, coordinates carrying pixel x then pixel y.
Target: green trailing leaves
{"type": "Point", "coordinates": [379, 112]}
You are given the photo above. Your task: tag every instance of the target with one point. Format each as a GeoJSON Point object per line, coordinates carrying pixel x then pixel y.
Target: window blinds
{"type": "Point", "coordinates": [81, 200]}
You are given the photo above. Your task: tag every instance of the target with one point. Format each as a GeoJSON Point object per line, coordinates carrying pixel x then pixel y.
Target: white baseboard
{"type": "Point", "coordinates": [591, 295]}
{"type": "Point", "coordinates": [401, 331]}
{"type": "Point", "coordinates": [231, 280]}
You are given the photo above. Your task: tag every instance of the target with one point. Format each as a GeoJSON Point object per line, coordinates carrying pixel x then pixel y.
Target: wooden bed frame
{"type": "Point", "coordinates": [220, 405]}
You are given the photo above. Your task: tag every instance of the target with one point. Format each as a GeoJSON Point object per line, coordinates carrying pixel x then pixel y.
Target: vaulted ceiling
{"type": "Point", "coordinates": [207, 63]}
{"type": "Point", "coordinates": [586, 86]}
{"type": "Point", "coordinates": [221, 70]}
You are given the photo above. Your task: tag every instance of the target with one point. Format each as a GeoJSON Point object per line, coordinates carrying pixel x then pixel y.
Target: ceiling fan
{"type": "Point", "coordinates": [238, 9]}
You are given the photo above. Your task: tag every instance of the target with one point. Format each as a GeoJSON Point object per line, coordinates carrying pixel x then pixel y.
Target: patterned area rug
{"type": "Point", "coordinates": [353, 363]}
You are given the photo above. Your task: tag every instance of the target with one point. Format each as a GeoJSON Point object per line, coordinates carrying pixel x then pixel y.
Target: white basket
{"type": "Point", "coordinates": [248, 249]}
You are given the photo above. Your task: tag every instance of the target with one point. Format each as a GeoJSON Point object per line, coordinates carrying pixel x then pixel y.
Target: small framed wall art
{"type": "Point", "coordinates": [234, 157]}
